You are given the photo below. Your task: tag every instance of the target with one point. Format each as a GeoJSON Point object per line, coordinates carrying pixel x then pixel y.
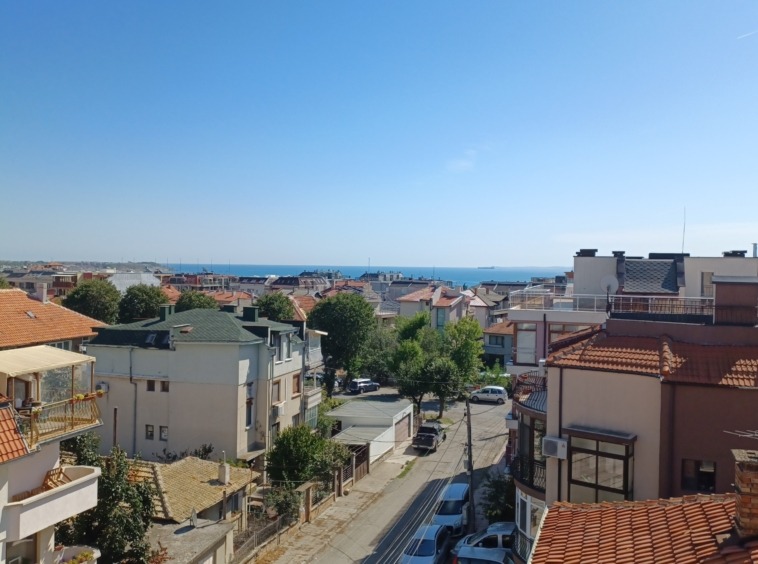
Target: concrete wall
{"type": "Point", "coordinates": [615, 402]}
{"type": "Point", "coordinates": [383, 443]}
{"type": "Point", "coordinates": [720, 266]}
{"type": "Point", "coordinates": [695, 422]}
{"type": "Point", "coordinates": [589, 271]}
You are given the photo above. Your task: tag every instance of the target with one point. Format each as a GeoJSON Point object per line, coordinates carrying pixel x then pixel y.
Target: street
{"type": "Point", "coordinates": [379, 533]}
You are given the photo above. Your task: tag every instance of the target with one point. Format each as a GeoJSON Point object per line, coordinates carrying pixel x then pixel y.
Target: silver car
{"type": "Point", "coordinates": [495, 394]}
{"type": "Point", "coordinates": [497, 535]}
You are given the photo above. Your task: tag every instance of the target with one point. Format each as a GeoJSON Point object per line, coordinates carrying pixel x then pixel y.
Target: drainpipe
{"type": "Point", "coordinates": [560, 428]}
{"type": "Point", "coordinates": [136, 395]}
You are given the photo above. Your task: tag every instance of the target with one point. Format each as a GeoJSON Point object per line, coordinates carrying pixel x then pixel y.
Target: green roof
{"type": "Point", "coordinates": [195, 325]}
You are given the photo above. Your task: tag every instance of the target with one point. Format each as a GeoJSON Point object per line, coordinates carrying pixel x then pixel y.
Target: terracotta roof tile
{"type": "Point", "coordinates": [171, 293]}
{"type": "Point", "coordinates": [224, 297]}
{"type": "Point", "coordinates": [25, 321]}
{"type": "Point", "coordinates": [679, 530]}
{"type": "Point", "coordinates": [12, 443]}
{"type": "Point", "coordinates": [720, 365]}
{"type": "Point", "coordinates": [502, 328]}
{"type": "Point", "coordinates": [418, 295]}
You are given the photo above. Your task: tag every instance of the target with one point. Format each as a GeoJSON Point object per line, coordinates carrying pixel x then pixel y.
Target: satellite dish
{"type": "Point", "coordinates": [609, 284]}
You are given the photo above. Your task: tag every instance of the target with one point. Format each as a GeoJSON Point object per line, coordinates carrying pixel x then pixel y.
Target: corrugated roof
{"type": "Point", "coordinates": [370, 407]}
{"type": "Point", "coordinates": [693, 529]}
{"type": "Point", "coordinates": [358, 435]}
{"type": "Point", "coordinates": [650, 276]}
{"type": "Point", "coordinates": [25, 321]}
{"type": "Point", "coordinates": [17, 362]}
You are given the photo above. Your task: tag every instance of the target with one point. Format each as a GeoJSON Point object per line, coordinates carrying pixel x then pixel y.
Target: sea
{"type": "Point", "coordinates": [456, 276]}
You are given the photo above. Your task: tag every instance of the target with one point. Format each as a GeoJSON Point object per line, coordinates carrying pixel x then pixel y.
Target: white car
{"type": "Point", "coordinates": [495, 394]}
{"type": "Point", "coordinates": [452, 508]}
{"type": "Point", "coordinates": [497, 535]}
{"type": "Point", "coordinates": [429, 545]}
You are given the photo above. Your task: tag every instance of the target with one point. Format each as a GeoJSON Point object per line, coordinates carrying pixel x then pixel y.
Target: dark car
{"type": "Point", "coordinates": [360, 385]}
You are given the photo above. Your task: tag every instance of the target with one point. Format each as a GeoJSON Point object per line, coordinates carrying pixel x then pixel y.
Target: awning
{"type": "Point", "coordinates": [17, 362]}
{"type": "Point", "coordinates": [247, 456]}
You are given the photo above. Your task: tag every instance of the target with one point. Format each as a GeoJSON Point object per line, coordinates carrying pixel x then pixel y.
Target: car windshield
{"type": "Point", "coordinates": [420, 547]}
{"type": "Point", "coordinates": [450, 507]}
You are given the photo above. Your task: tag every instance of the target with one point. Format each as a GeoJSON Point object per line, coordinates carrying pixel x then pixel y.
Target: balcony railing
{"type": "Point", "coordinates": [522, 545]}
{"type": "Point", "coordinates": [55, 420]}
{"type": "Point", "coordinates": [526, 384]}
{"type": "Point", "coordinates": [529, 472]}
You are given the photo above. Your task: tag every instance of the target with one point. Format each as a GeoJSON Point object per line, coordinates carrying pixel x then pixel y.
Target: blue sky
{"type": "Point", "coordinates": [410, 133]}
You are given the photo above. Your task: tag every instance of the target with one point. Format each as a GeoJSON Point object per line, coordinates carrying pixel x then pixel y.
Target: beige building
{"type": "Point", "coordinates": [202, 377]}
{"type": "Point", "coordinates": [444, 304]}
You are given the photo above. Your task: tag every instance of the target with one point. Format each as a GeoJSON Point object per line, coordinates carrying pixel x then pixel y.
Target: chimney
{"type": "Point", "coordinates": [737, 254]}
{"type": "Point", "coordinates": [40, 292]}
{"type": "Point", "coordinates": [224, 471]}
{"type": "Point", "coordinates": [165, 311]}
{"type": "Point", "coordinates": [250, 313]}
{"type": "Point", "coordinates": [586, 252]}
{"type": "Point", "coordinates": [755, 250]}
{"type": "Point", "coordinates": [746, 484]}
{"type": "Point", "coordinates": [229, 308]}
{"type": "Point", "coordinates": [542, 367]}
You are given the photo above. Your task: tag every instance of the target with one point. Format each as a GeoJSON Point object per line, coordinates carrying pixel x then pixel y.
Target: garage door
{"type": "Point", "coordinates": [402, 429]}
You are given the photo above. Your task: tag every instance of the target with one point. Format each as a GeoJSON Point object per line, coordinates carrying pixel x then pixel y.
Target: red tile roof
{"type": "Point", "coordinates": [224, 297]}
{"type": "Point", "coordinates": [306, 303]}
{"type": "Point", "coordinates": [502, 328]}
{"type": "Point", "coordinates": [721, 365]}
{"type": "Point", "coordinates": [171, 293]}
{"type": "Point", "coordinates": [695, 528]}
{"type": "Point", "coordinates": [25, 321]}
{"type": "Point", "coordinates": [418, 295]}
{"type": "Point", "coordinates": [12, 443]}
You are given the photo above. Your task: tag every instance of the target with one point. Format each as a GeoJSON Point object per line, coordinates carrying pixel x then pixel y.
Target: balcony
{"type": "Point", "coordinates": [72, 492]}
{"type": "Point", "coordinates": [529, 472]}
{"type": "Point", "coordinates": [58, 420]}
{"type": "Point", "coordinates": [522, 545]}
{"type": "Point", "coordinates": [530, 391]}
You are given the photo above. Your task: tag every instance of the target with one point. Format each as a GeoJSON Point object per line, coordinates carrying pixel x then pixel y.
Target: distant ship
{"type": "Point", "coordinates": [486, 267]}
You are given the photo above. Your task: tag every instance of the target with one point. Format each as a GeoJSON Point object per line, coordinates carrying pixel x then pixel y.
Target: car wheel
{"type": "Point", "coordinates": [500, 401]}
{"type": "Point", "coordinates": [360, 390]}
{"type": "Point", "coordinates": [475, 399]}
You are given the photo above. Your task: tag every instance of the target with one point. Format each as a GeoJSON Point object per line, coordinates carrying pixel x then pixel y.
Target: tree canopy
{"type": "Point", "coordinates": [4, 285]}
{"type": "Point", "coordinates": [299, 456]}
{"type": "Point", "coordinates": [98, 299]}
{"type": "Point", "coordinates": [118, 524]}
{"type": "Point", "coordinates": [195, 300]}
{"type": "Point", "coordinates": [348, 319]}
{"type": "Point", "coordinates": [140, 302]}
{"type": "Point", "coordinates": [276, 307]}
{"type": "Point", "coordinates": [408, 363]}
{"type": "Point", "coordinates": [464, 346]}
{"type": "Point", "coordinates": [375, 361]}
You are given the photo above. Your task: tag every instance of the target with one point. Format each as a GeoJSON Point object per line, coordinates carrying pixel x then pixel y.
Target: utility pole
{"type": "Point", "coordinates": [470, 471]}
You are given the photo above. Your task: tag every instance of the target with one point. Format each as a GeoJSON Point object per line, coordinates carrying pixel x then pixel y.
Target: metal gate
{"type": "Point", "coordinates": [361, 461]}
{"type": "Point", "coordinates": [402, 429]}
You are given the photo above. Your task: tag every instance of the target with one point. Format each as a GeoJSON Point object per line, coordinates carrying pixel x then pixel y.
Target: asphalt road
{"type": "Point", "coordinates": [380, 533]}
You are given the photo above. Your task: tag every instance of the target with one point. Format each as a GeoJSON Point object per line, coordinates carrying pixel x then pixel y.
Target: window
{"type": "Point", "coordinates": [311, 417]}
{"type": "Point", "coordinates": [599, 470]}
{"type": "Point", "coordinates": [274, 431]}
{"type": "Point", "coordinates": [164, 433]}
{"type": "Point", "coordinates": [560, 330]}
{"type": "Point", "coordinates": [526, 343]}
{"type": "Point", "coordinates": [64, 345]}
{"type": "Point", "coordinates": [698, 475]}
{"type": "Point", "coordinates": [150, 432]}
{"type": "Point", "coordinates": [164, 385]}
{"type": "Point", "coordinates": [296, 384]}
{"type": "Point", "coordinates": [497, 340]}
{"type": "Point", "coordinates": [151, 385]}
{"type": "Point", "coordinates": [440, 317]}
{"type": "Point", "coordinates": [249, 412]}
{"type": "Point", "coordinates": [529, 512]}
{"type": "Point", "coordinates": [276, 392]}
{"type": "Point", "coordinates": [276, 342]}
{"type": "Point", "coordinates": [296, 420]}
{"type": "Point", "coordinates": [288, 346]}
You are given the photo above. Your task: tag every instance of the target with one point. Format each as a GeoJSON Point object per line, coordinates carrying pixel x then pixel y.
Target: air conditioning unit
{"type": "Point", "coordinates": [511, 422]}
{"type": "Point", "coordinates": [279, 410]}
{"type": "Point", "coordinates": [555, 447]}
{"type": "Point", "coordinates": [102, 387]}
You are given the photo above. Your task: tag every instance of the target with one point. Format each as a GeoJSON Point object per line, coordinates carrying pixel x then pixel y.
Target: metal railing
{"type": "Point", "coordinates": [522, 545]}
{"type": "Point", "coordinates": [527, 383]}
{"type": "Point", "coordinates": [54, 420]}
{"type": "Point", "coordinates": [529, 472]}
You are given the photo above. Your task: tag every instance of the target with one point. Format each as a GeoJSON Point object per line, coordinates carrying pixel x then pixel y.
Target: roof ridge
{"type": "Point", "coordinates": [666, 355]}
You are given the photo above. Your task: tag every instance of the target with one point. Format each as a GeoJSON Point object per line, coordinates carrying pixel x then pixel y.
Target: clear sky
{"type": "Point", "coordinates": [411, 133]}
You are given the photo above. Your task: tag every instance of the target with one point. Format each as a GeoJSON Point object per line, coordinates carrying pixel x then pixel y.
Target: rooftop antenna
{"type": "Point", "coordinates": [684, 227]}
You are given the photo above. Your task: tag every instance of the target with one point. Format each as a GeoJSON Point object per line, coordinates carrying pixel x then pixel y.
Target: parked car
{"type": "Point", "coordinates": [496, 394]}
{"type": "Point", "coordinates": [429, 545]}
{"type": "Point", "coordinates": [429, 436]}
{"type": "Point", "coordinates": [476, 555]}
{"type": "Point", "coordinates": [452, 509]}
{"type": "Point", "coordinates": [497, 535]}
{"type": "Point", "coordinates": [318, 376]}
{"type": "Point", "coordinates": [360, 385]}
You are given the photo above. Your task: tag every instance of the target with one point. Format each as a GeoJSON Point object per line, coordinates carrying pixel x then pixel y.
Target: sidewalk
{"type": "Point", "coordinates": [312, 537]}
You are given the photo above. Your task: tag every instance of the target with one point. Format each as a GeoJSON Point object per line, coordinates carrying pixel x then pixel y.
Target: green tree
{"type": "Point", "coordinates": [195, 300]}
{"type": "Point", "coordinates": [410, 327]}
{"type": "Point", "coordinates": [375, 361]}
{"type": "Point", "coordinates": [4, 285]}
{"type": "Point", "coordinates": [464, 346]}
{"type": "Point", "coordinates": [98, 299]}
{"type": "Point", "coordinates": [445, 379]}
{"type": "Point", "coordinates": [348, 319]}
{"type": "Point", "coordinates": [299, 456]}
{"type": "Point", "coordinates": [408, 366]}
{"type": "Point", "coordinates": [118, 524]}
{"type": "Point", "coordinates": [499, 500]}
{"type": "Point", "coordinates": [141, 302]}
{"type": "Point", "coordinates": [276, 307]}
